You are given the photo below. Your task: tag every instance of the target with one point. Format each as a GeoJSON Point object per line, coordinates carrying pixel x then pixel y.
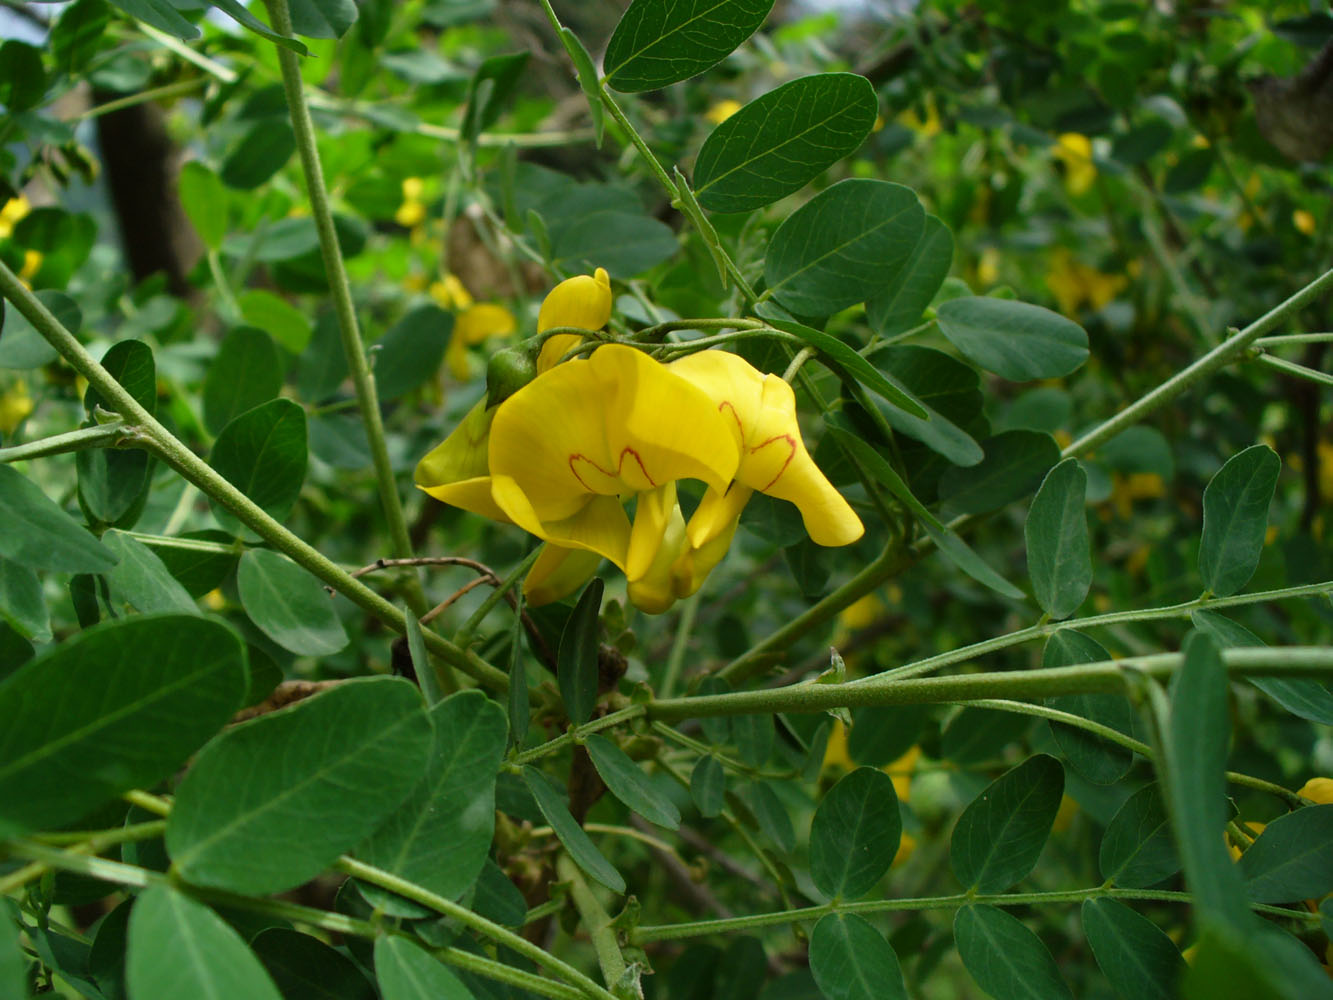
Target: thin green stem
{"type": "Point", "coordinates": [1221, 355]}
{"type": "Point", "coordinates": [680, 644]}
{"type": "Point", "coordinates": [659, 330]}
{"type": "Point", "coordinates": [577, 733]}
{"type": "Point", "coordinates": [143, 97]}
{"type": "Point", "coordinates": [464, 635]}
{"type": "Point", "coordinates": [1292, 368]}
{"type": "Point", "coordinates": [705, 750]}
{"type": "Point", "coordinates": [1128, 742]}
{"type": "Point", "coordinates": [595, 919]}
{"type": "Point", "coordinates": [478, 923]}
{"type": "Point", "coordinates": [104, 436]}
{"type": "Point", "coordinates": [1042, 630]}
{"type": "Point", "coordinates": [340, 290]}
{"type": "Point", "coordinates": [698, 928]}
{"type": "Point", "coordinates": [1294, 338]}
{"type": "Point", "coordinates": [794, 368]}
{"type": "Point", "coordinates": [1107, 676]}
{"type": "Point", "coordinates": [184, 544]}
{"type": "Point", "coordinates": [194, 470]}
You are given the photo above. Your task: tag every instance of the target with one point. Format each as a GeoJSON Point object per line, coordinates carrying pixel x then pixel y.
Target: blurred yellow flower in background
{"type": "Point", "coordinates": [412, 212]}
{"type": "Point", "coordinates": [1074, 283]}
{"type": "Point", "coordinates": [1074, 150]}
{"type": "Point", "coordinates": [722, 110]}
{"type": "Point", "coordinates": [15, 406]}
{"type": "Point", "coordinates": [1304, 221]}
{"type": "Point", "coordinates": [13, 210]}
{"type": "Point", "coordinates": [475, 325]}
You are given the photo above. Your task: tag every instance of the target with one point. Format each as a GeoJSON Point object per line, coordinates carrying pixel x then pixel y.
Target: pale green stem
{"type": "Point", "coordinates": [341, 292]}
{"type": "Point", "coordinates": [478, 923]}
{"type": "Point", "coordinates": [181, 513]}
{"type": "Point", "coordinates": [231, 306]}
{"type": "Point", "coordinates": [1220, 356]}
{"type": "Point", "coordinates": [615, 831]}
{"type": "Point", "coordinates": [184, 544]}
{"type": "Point", "coordinates": [704, 750]}
{"type": "Point", "coordinates": [1110, 676]}
{"type": "Point", "coordinates": [143, 97]}
{"type": "Point", "coordinates": [680, 644]}
{"type": "Point", "coordinates": [595, 919]}
{"type": "Point", "coordinates": [1128, 742]}
{"type": "Point", "coordinates": [1294, 338]}
{"type": "Point", "coordinates": [669, 932]}
{"type": "Point", "coordinates": [1294, 369]}
{"type": "Point", "coordinates": [195, 470]}
{"type": "Point", "coordinates": [794, 368]}
{"type": "Point", "coordinates": [575, 734]}
{"type": "Point", "coordinates": [105, 436]}
{"type": "Point", "coordinates": [1042, 630]}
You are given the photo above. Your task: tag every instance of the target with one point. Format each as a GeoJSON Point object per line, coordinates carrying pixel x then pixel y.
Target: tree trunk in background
{"type": "Point", "coordinates": [141, 168]}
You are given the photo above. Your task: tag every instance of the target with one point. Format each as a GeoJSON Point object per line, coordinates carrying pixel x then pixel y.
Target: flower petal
{"type": "Point", "coordinates": [583, 301]}
{"type": "Point", "coordinates": [558, 572]}
{"type": "Point", "coordinates": [456, 470]}
{"type": "Point", "coordinates": [600, 525]}
{"type": "Point", "coordinates": [651, 517]}
{"type": "Point", "coordinates": [654, 591]}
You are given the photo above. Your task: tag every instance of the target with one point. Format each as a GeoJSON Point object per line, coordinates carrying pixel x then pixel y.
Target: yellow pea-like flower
{"type": "Point", "coordinates": [582, 302]}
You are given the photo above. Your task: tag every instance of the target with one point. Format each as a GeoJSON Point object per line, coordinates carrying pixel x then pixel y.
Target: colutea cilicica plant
{"type": "Point", "coordinates": [806, 647]}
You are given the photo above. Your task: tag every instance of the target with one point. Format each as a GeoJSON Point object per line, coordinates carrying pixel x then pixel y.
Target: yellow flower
{"type": "Point", "coordinates": [1074, 283]}
{"type": "Point", "coordinates": [1125, 489]}
{"type": "Point", "coordinates": [1318, 790]}
{"type": "Point", "coordinates": [15, 406]}
{"type": "Point", "coordinates": [988, 267]}
{"type": "Point", "coordinates": [761, 417]}
{"type": "Point", "coordinates": [582, 302]}
{"type": "Point", "coordinates": [13, 210]}
{"type": "Point", "coordinates": [558, 572]}
{"type": "Point", "coordinates": [32, 263]}
{"type": "Point", "coordinates": [410, 214]}
{"type": "Point", "coordinates": [450, 293]}
{"type": "Point", "coordinates": [1303, 221]}
{"type": "Point", "coordinates": [927, 125]}
{"type": "Point", "coordinates": [476, 325]}
{"type": "Point", "coordinates": [722, 110]}
{"type": "Point", "coordinates": [1075, 151]}
{"type": "Point", "coordinates": [456, 471]}
{"type": "Point", "coordinates": [413, 188]}
{"type": "Point", "coordinates": [566, 446]}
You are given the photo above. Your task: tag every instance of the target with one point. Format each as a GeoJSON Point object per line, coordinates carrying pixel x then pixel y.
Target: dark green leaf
{"type": "Point", "coordinates": [629, 784]}
{"type": "Point", "coordinates": [406, 972]}
{"type": "Point", "coordinates": [1133, 953]}
{"type": "Point", "coordinates": [243, 17]}
{"type": "Point", "coordinates": [106, 958]}
{"type": "Point", "coordinates": [305, 968]}
{"type": "Point", "coordinates": [113, 483]}
{"type": "Point", "coordinates": [22, 76]}
{"type": "Point", "coordinates": [208, 959]}
{"type": "Point", "coordinates": [13, 964]}
{"type": "Point", "coordinates": [578, 654]}
{"type": "Point", "coordinates": [199, 570]}
{"type": "Point", "coordinates": [40, 535]}
{"type": "Point", "coordinates": [281, 320]}
{"type": "Point", "coordinates": [115, 707]}
{"type": "Point", "coordinates": [957, 551]}
{"type": "Point", "coordinates": [1192, 764]}
{"type": "Point", "coordinates": [1235, 518]}
{"type": "Point", "coordinates": [322, 18]}
{"type": "Point", "coordinates": [333, 767]}
{"type": "Point", "coordinates": [771, 814]}
{"type": "Point", "coordinates": [947, 389]}
{"type": "Point", "coordinates": [1015, 340]}
{"type": "Point", "coordinates": [289, 605]}
{"type": "Point", "coordinates": [851, 960]}
{"type": "Point", "coordinates": [22, 346]}
{"type": "Point", "coordinates": [977, 735]}
{"type": "Point", "coordinates": [778, 143]}
{"type": "Point", "coordinates": [1059, 552]}
{"type": "Point", "coordinates": [22, 603]}
{"type": "Point", "coordinates": [259, 154]}
{"type": "Point", "coordinates": [753, 736]}
{"type": "Point", "coordinates": [625, 243]}
{"type": "Point", "coordinates": [708, 786]}
{"type": "Point", "coordinates": [845, 245]}
{"type": "Point", "coordinates": [1006, 959]}
{"type": "Point", "coordinates": [205, 202]}
{"type": "Point", "coordinates": [1001, 833]}
{"type": "Point", "coordinates": [411, 352]}
{"type": "Point", "coordinates": [322, 366]}
{"type": "Point", "coordinates": [854, 834]}
{"type": "Point", "coordinates": [844, 359]}
{"type": "Point", "coordinates": [439, 837]}
{"type": "Point", "coordinates": [881, 734]}
{"type": "Point", "coordinates": [246, 372]}
{"type": "Point", "coordinates": [570, 834]}
{"type": "Point", "coordinates": [142, 579]}
{"type": "Point", "coordinates": [490, 87]}
{"type": "Point", "coordinates": [900, 304]}
{"type": "Point", "coordinates": [1292, 859]}
{"type": "Point", "coordinates": [262, 453]}
{"type": "Point", "coordinates": [1013, 466]}
{"type": "Point", "coordinates": [661, 42]}
{"type": "Point", "coordinates": [1098, 760]}
{"type": "Point", "coordinates": [1137, 849]}
{"type": "Point", "coordinates": [588, 80]}
{"type": "Point", "coordinates": [75, 38]}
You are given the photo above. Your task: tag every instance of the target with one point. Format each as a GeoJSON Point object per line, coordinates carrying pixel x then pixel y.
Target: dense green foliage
{"type": "Point", "coordinates": [1049, 284]}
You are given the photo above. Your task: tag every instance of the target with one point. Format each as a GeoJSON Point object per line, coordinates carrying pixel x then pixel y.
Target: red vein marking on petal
{"type": "Point", "coordinates": [791, 444]}
{"type": "Point", "coordinates": [609, 475]}
{"type": "Point", "coordinates": [727, 404]}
